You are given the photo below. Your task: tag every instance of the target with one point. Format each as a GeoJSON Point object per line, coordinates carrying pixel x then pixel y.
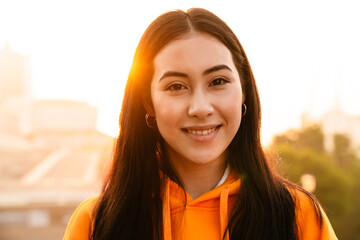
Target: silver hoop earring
{"type": "Point", "coordinates": [150, 120]}
{"type": "Point", "coordinates": [245, 109]}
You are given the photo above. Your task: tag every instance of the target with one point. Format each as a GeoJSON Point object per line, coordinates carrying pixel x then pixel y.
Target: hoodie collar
{"type": "Point", "coordinates": [174, 199]}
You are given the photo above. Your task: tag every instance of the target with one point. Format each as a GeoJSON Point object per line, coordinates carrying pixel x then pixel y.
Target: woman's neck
{"type": "Point", "coordinates": [199, 178]}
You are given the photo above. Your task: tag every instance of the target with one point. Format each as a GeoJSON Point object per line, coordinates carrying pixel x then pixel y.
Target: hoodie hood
{"type": "Point", "coordinates": [205, 217]}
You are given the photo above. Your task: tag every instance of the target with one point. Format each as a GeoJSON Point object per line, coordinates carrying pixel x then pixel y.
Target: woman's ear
{"type": "Point", "coordinates": [147, 103]}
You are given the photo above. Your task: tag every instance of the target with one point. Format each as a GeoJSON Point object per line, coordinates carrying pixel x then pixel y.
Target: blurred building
{"type": "Point", "coordinates": [15, 90]}
{"type": "Point", "coordinates": [52, 157]}
{"type": "Point", "coordinates": [14, 76]}
{"type": "Point", "coordinates": [337, 122]}
{"type": "Point", "coordinates": [63, 116]}
{"type": "Point", "coordinates": [20, 113]}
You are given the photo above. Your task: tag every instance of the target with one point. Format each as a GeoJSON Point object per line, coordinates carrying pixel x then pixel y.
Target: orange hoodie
{"type": "Point", "coordinates": [205, 217]}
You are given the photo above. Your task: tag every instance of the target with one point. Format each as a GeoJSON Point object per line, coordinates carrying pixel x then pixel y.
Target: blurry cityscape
{"type": "Point", "coordinates": [52, 157]}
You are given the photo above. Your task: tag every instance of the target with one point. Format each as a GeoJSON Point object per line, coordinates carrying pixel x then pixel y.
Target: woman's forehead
{"type": "Point", "coordinates": [193, 49]}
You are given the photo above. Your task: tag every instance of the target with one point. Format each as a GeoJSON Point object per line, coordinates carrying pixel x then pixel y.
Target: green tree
{"type": "Point", "coordinates": [309, 136]}
{"type": "Point", "coordinates": [342, 150]}
{"type": "Point", "coordinates": [331, 181]}
{"type": "Point", "coordinates": [301, 151]}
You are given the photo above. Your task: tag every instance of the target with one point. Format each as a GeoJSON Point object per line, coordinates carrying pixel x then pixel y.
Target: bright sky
{"type": "Point", "coordinates": [304, 54]}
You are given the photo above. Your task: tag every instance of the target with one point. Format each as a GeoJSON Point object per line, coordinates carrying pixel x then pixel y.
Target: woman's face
{"type": "Point", "coordinates": [197, 97]}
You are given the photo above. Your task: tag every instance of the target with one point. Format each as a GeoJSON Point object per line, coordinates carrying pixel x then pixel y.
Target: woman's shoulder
{"type": "Point", "coordinates": [85, 209]}
{"type": "Point", "coordinates": [306, 203]}
{"type": "Point", "coordinates": [312, 220]}
{"type": "Point", "coordinates": [88, 204]}
{"type": "Point", "coordinates": [80, 223]}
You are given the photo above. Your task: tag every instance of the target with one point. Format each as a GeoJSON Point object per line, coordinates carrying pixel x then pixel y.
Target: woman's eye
{"type": "Point", "coordinates": [175, 87]}
{"type": "Point", "coordinates": [218, 82]}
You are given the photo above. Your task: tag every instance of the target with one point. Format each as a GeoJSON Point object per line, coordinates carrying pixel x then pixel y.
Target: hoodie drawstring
{"type": "Point", "coordinates": [224, 196]}
{"type": "Point", "coordinates": [223, 212]}
{"type": "Point", "coordinates": [167, 213]}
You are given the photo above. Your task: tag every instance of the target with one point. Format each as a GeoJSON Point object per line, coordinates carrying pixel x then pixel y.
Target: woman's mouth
{"type": "Point", "coordinates": [200, 131]}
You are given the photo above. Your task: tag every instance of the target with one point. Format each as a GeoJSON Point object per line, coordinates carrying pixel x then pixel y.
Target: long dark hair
{"type": "Point", "coordinates": [130, 205]}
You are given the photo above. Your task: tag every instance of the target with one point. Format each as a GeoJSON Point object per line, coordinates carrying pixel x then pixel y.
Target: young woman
{"type": "Point", "coordinates": [188, 162]}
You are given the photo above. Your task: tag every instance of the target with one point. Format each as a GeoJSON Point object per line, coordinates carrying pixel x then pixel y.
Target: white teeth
{"type": "Point", "coordinates": [202, 132]}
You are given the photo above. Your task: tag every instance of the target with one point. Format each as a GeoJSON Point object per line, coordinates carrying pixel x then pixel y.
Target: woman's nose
{"type": "Point", "coordinates": [200, 105]}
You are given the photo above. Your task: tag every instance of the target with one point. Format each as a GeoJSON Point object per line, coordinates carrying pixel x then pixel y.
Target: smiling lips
{"type": "Point", "coordinates": [201, 131]}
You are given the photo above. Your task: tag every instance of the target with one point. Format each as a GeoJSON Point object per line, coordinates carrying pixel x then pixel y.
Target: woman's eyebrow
{"type": "Point", "coordinates": [206, 72]}
{"type": "Point", "coordinates": [173, 74]}
{"type": "Point", "coordinates": [216, 68]}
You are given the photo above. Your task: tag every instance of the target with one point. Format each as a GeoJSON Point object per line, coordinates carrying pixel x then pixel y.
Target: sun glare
{"type": "Point", "coordinates": [63, 69]}
{"type": "Point", "coordinates": [82, 51]}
